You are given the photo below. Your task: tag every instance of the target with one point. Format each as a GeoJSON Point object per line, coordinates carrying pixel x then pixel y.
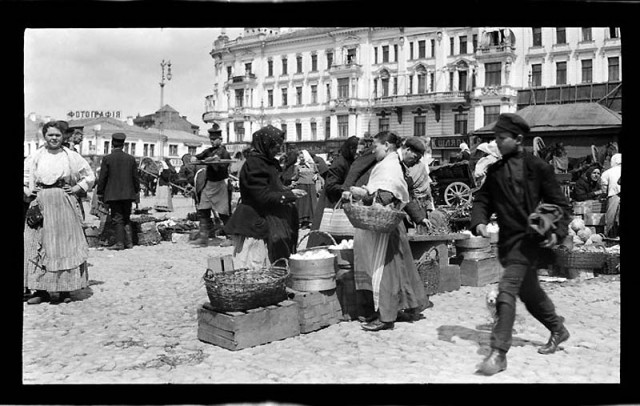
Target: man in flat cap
{"type": "Point", "coordinates": [118, 187]}
{"type": "Point", "coordinates": [514, 187]}
{"type": "Point", "coordinates": [212, 187]}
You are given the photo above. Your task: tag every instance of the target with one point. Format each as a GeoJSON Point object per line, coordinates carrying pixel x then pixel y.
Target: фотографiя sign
{"type": "Point", "coordinates": [77, 114]}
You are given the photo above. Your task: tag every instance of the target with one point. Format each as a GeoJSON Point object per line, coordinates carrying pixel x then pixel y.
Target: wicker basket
{"type": "Point", "coordinates": [429, 271]}
{"type": "Point", "coordinates": [372, 218]}
{"type": "Point", "coordinates": [579, 259]}
{"type": "Point", "coordinates": [227, 294]}
{"type": "Point", "coordinates": [611, 264]}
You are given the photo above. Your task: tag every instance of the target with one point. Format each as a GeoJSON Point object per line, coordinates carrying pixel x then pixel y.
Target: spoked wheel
{"type": "Point", "coordinates": [457, 193]}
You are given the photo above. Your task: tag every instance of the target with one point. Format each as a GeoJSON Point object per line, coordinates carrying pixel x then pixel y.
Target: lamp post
{"type": "Point", "coordinates": [168, 77]}
{"type": "Point", "coordinates": [96, 130]}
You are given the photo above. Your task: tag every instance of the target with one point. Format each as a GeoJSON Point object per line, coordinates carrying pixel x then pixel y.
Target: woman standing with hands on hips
{"type": "Point", "coordinates": [264, 226]}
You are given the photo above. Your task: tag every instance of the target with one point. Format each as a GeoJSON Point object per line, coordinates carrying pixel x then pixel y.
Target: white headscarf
{"type": "Point", "coordinates": [387, 175]}
{"type": "Point", "coordinates": [307, 158]}
{"type": "Point", "coordinates": [490, 148]}
{"type": "Point", "coordinates": [616, 160]}
{"type": "Point", "coordinates": [464, 147]}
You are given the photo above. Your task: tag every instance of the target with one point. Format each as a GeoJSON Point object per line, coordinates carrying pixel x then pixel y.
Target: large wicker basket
{"type": "Point", "coordinates": [611, 264]}
{"type": "Point", "coordinates": [429, 271]}
{"type": "Point", "coordinates": [240, 289]}
{"type": "Point", "coordinates": [579, 259]}
{"type": "Point", "coordinates": [373, 218]}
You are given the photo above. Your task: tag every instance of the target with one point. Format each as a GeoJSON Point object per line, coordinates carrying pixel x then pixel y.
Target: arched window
{"type": "Point", "coordinates": [421, 71]}
{"type": "Point", "coordinates": [384, 78]}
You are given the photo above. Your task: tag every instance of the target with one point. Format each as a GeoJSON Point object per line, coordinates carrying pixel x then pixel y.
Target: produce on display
{"type": "Point", "coordinates": [313, 254]}
{"type": "Point", "coordinates": [344, 245]}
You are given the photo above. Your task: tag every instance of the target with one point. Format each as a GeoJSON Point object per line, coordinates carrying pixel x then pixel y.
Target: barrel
{"type": "Point", "coordinates": [312, 275]}
{"type": "Point", "coordinates": [473, 248]}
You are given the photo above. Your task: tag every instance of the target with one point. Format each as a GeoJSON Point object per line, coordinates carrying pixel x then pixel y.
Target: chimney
{"type": "Point", "coordinates": [130, 120]}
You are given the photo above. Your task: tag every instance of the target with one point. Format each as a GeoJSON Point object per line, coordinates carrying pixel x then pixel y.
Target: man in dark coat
{"type": "Point", "coordinates": [514, 187]}
{"type": "Point", "coordinates": [215, 193]}
{"type": "Point", "coordinates": [118, 187]}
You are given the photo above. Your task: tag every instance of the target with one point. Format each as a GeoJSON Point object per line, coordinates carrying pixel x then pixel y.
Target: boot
{"type": "Point", "coordinates": [377, 325]}
{"type": "Point", "coordinates": [204, 220]}
{"type": "Point", "coordinates": [128, 236]}
{"type": "Point", "coordinates": [39, 297]}
{"type": "Point", "coordinates": [554, 341]}
{"type": "Point", "coordinates": [494, 363]}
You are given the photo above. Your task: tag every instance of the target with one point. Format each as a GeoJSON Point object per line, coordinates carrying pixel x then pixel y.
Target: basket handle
{"type": "Point", "coordinates": [317, 232]}
{"type": "Point", "coordinates": [281, 259]}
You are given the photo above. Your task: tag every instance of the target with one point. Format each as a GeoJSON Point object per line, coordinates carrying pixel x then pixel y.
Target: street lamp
{"type": "Point", "coordinates": [168, 77]}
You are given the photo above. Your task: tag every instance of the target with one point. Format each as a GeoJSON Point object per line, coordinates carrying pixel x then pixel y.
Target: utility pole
{"type": "Point", "coordinates": [168, 77]}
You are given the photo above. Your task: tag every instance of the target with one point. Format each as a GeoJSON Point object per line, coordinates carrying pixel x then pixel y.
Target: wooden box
{"type": "Point", "coordinates": [316, 309]}
{"type": "Point", "coordinates": [479, 272]}
{"type": "Point", "coordinates": [220, 263]}
{"type": "Point", "coordinates": [239, 330]}
{"type": "Point", "coordinates": [449, 278]}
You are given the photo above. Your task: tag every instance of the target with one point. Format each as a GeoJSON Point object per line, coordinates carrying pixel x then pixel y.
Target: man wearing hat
{"type": "Point", "coordinates": [514, 187]}
{"type": "Point", "coordinates": [118, 187]}
{"type": "Point", "coordinates": [73, 137]}
{"type": "Point", "coordinates": [212, 188]}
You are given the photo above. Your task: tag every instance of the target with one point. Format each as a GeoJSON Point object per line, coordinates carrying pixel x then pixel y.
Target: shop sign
{"type": "Point", "coordinates": [449, 142]}
{"type": "Point", "coordinates": [77, 114]}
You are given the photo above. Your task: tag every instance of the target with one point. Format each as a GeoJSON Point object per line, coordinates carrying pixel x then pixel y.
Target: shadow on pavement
{"type": "Point", "coordinates": [482, 338]}
{"type": "Point", "coordinates": [84, 293]}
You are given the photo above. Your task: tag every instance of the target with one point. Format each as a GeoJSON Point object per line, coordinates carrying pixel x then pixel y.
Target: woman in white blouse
{"type": "Point", "coordinates": [56, 250]}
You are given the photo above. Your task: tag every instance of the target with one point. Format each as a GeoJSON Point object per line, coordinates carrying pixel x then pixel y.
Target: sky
{"type": "Point", "coordinates": [118, 69]}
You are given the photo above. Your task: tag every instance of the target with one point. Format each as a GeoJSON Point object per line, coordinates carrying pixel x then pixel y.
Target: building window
{"type": "Point", "coordinates": [228, 72]}
{"type": "Point", "coordinates": [586, 34]}
{"type": "Point", "coordinates": [351, 56]}
{"type": "Point", "coordinates": [298, 131]}
{"type": "Point", "coordinates": [298, 95]}
{"type": "Point", "coordinates": [410, 89]}
{"type": "Point", "coordinates": [475, 42]}
{"type": "Point", "coordinates": [238, 127]}
{"type": "Point", "coordinates": [247, 68]}
{"type": "Point", "coordinates": [451, 81]}
{"type": "Point", "coordinates": [422, 49]}
{"type": "Point", "coordinates": [491, 114]}
{"type": "Point", "coordinates": [284, 96]}
{"type": "Point", "coordinates": [329, 59]}
{"type": "Point", "coordinates": [145, 150]}
{"type": "Point", "coordinates": [395, 53]}
{"type": "Point", "coordinates": [328, 91]}
{"type": "Point", "coordinates": [561, 35]}
{"type": "Point", "coordinates": [463, 44]}
{"type": "Point", "coordinates": [152, 148]}
{"type": "Point", "coordinates": [270, 67]}
{"type": "Point", "coordinates": [314, 93]}
{"type": "Point", "coordinates": [536, 75]}
{"type": "Point", "coordinates": [314, 131]}
{"type": "Point", "coordinates": [419, 125]}
{"type": "Point", "coordinates": [460, 123]}
{"type": "Point", "coordinates": [614, 32]}
{"type": "Point", "coordinates": [343, 88]}
{"type": "Point", "coordinates": [375, 87]}
{"type": "Point", "coordinates": [343, 126]}
{"type": "Point", "coordinates": [314, 62]}
{"type": "Point", "coordinates": [106, 147]}
{"type": "Point", "coordinates": [452, 50]}
{"type": "Point", "coordinates": [270, 97]}
{"type": "Point", "coordinates": [587, 70]}
{"type": "Point", "coordinates": [433, 48]}
{"type": "Point", "coordinates": [375, 54]}
{"type": "Point", "coordinates": [126, 147]}
{"type": "Point", "coordinates": [133, 148]}
{"type": "Point", "coordinates": [462, 80]}
{"type": "Point", "coordinates": [561, 73]}
{"type": "Point", "coordinates": [383, 124]}
{"type": "Point", "coordinates": [432, 82]}
{"type": "Point", "coordinates": [422, 80]}
{"type": "Point", "coordinates": [283, 127]}
{"type": "Point", "coordinates": [410, 50]}
{"type": "Point", "coordinates": [299, 64]}
{"type": "Point", "coordinates": [284, 66]}
{"type": "Point", "coordinates": [492, 73]}
{"type": "Point", "coordinates": [327, 128]}
{"type": "Point", "coordinates": [614, 69]}
{"type": "Point", "coordinates": [192, 150]}
{"type": "Point", "coordinates": [173, 150]}
{"type": "Point", "coordinates": [385, 53]}
{"type": "Point", "coordinates": [239, 97]}
{"type": "Point", "coordinates": [537, 36]}
{"type": "Point", "coordinates": [395, 86]}
{"type": "Point", "coordinates": [385, 86]}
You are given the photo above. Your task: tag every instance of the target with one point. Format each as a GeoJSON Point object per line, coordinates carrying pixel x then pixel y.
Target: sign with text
{"type": "Point", "coordinates": [448, 142]}
{"type": "Point", "coordinates": [77, 114]}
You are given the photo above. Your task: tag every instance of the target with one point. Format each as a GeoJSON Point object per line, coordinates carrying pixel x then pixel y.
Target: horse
{"type": "Point", "coordinates": [149, 172]}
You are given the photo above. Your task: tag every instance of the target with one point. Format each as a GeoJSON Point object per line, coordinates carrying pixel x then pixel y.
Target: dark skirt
{"type": "Point", "coordinates": [283, 233]}
{"type": "Point", "coordinates": [306, 205]}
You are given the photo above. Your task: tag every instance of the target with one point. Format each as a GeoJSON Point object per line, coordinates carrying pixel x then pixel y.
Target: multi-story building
{"type": "Point", "coordinates": [322, 85]}
{"type": "Point", "coordinates": [166, 118]}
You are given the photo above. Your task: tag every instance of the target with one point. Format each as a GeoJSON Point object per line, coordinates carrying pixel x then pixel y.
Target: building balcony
{"type": "Point", "coordinates": [345, 69]}
{"type": "Point", "coordinates": [496, 91]}
{"type": "Point", "coordinates": [423, 98]}
{"type": "Point", "coordinates": [491, 51]}
{"type": "Point", "coordinates": [211, 116]}
{"type": "Point", "coordinates": [239, 81]}
{"type": "Point", "coordinates": [612, 44]}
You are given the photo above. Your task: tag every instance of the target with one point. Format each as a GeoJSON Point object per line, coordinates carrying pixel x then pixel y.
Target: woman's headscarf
{"type": "Point", "coordinates": [616, 160]}
{"type": "Point", "coordinates": [291, 158]}
{"type": "Point", "coordinates": [464, 147]}
{"type": "Point", "coordinates": [307, 158]}
{"type": "Point", "coordinates": [490, 148]}
{"type": "Point", "coordinates": [265, 138]}
{"type": "Point", "coordinates": [347, 150]}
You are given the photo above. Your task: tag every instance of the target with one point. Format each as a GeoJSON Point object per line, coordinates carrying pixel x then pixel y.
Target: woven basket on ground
{"type": "Point", "coordinates": [429, 271]}
{"type": "Point", "coordinates": [579, 259]}
{"type": "Point", "coordinates": [241, 289]}
{"type": "Point", "coordinates": [611, 264]}
{"type": "Point", "coordinates": [373, 218]}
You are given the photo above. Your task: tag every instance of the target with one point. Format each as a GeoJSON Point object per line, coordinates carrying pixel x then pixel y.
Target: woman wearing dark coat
{"type": "Point", "coordinates": [332, 191]}
{"type": "Point", "coordinates": [588, 187]}
{"type": "Point", "coordinates": [289, 167]}
{"type": "Point", "coordinates": [264, 226]}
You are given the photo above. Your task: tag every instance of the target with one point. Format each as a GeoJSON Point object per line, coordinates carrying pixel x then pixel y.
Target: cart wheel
{"type": "Point", "coordinates": [457, 192]}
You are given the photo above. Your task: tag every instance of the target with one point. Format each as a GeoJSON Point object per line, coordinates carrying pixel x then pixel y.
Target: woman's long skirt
{"type": "Point", "coordinates": [383, 264]}
{"type": "Point", "coordinates": [164, 200]}
{"type": "Point", "coordinates": [612, 216]}
{"type": "Point", "coordinates": [307, 204]}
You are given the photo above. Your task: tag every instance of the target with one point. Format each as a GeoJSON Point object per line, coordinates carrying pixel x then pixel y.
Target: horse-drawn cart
{"type": "Point", "coordinates": [452, 184]}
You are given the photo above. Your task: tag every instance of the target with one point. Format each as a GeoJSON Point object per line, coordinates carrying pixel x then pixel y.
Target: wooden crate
{"type": "Point", "coordinates": [479, 272]}
{"type": "Point", "coordinates": [449, 278]}
{"type": "Point", "coordinates": [316, 309]}
{"type": "Point", "coordinates": [239, 330]}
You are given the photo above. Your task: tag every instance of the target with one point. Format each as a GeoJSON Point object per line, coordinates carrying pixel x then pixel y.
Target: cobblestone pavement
{"type": "Point", "coordinates": [136, 323]}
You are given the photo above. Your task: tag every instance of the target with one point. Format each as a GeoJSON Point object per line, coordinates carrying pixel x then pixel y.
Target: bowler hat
{"type": "Point", "coordinates": [512, 123]}
{"type": "Point", "coordinates": [118, 136]}
{"type": "Point", "coordinates": [416, 144]}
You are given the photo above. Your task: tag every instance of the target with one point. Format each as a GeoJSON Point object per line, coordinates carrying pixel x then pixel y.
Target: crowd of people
{"type": "Point", "coordinates": [280, 196]}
